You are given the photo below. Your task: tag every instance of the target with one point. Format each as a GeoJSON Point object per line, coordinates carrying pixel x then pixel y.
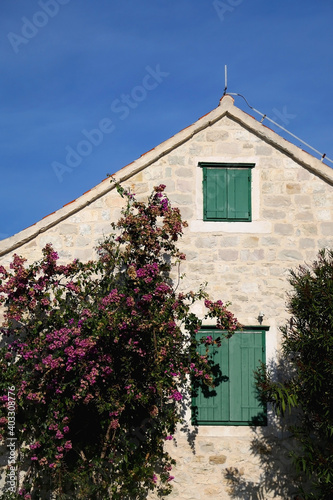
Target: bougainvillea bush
{"type": "Point", "coordinates": [96, 356]}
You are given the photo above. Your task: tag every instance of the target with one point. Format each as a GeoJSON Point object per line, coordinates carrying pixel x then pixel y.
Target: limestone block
{"type": "Point", "coordinates": [229, 241]}
{"type": "Point", "coordinates": [308, 229]}
{"type": "Point", "coordinates": [88, 216]}
{"type": "Point", "coordinates": [84, 229]}
{"type": "Point", "coordinates": [263, 150]}
{"type": "Point", "coordinates": [207, 447]}
{"type": "Point", "coordinates": [185, 186]}
{"type": "Point", "coordinates": [270, 241]}
{"type": "Point", "coordinates": [277, 201]}
{"type": "Point", "coordinates": [153, 173]}
{"type": "Point", "coordinates": [32, 244]}
{"type": "Point", "coordinates": [303, 201]}
{"type": "Point", "coordinates": [228, 255]}
{"type": "Point", "coordinates": [65, 256]}
{"type": "Point", "coordinates": [290, 255]}
{"type": "Point", "coordinates": [187, 213]}
{"type": "Point", "coordinates": [308, 215]}
{"type": "Point", "coordinates": [293, 188]}
{"type": "Point", "coordinates": [182, 199]}
{"type": "Point", "coordinates": [81, 241]}
{"type": "Point", "coordinates": [201, 270]}
{"type": "Point", "coordinates": [248, 145]}
{"type": "Point", "coordinates": [114, 200]}
{"type": "Point", "coordinates": [306, 243]}
{"type": "Point", "coordinates": [216, 135]}
{"type": "Point", "coordinates": [184, 172]}
{"type": "Point", "coordinates": [52, 238]}
{"type": "Point", "coordinates": [195, 149]}
{"type": "Point", "coordinates": [105, 214]}
{"type": "Point", "coordinates": [272, 187]}
{"type": "Point", "coordinates": [243, 135]}
{"type": "Point", "coordinates": [250, 242]}
{"type": "Point", "coordinates": [209, 242]}
{"type": "Point", "coordinates": [238, 298]}
{"type": "Point", "coordinates": [325, 243]}
{"type": "Point", "coordinates": [270, 214]}
{"type": "Point", "coordinates": [169, 187]}
{"type": "Point", "coordinates": [324, 215]}
{"type": "Point", "coordinates": [67, 229]}
{"type": "Point", "coordinates": [271, 255]}
{"type": "Point", "coordinates": [249, 287]}
{"type": "Point", "coordinates": [320, 200]}
{"type": "Point", "coordinates": [285, 229]}
{"type": "Point", "coordinates": [140, 188]}
{"type": "Point", "coordinates": [304, 175]}
{"type": "Point", "coordinates": [252, 255]}
{"type": "Point", "coordinates": [226, 148]}
{"type": "Point", "coordinates": [212, 492]}
{"type": "Point", "coordinates": [76, 218]}
{"type": "Point", "coordinates": [326, 228]}
{"type": "Point", "coordinates": [68, 240]}
{"type": "Point", "coordinates": [217, 459]}
{"type": "Point", "coordinates": [318, 187]}
{"type": "Point", "coordinates": [176, 160]}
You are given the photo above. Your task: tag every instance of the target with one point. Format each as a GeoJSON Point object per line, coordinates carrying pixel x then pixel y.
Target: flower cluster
{"type": "Point", "coordinates": [97, 354]}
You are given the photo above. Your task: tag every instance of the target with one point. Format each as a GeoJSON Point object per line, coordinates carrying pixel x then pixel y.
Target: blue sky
{"type": "Point", "coordinates": [140, 72]}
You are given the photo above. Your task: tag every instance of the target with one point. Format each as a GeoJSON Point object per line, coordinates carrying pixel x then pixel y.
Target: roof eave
{"type": "Point", "coordinates": [226, 108]}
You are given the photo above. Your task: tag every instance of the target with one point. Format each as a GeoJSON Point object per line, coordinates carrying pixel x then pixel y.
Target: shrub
{"type": "Point", "coordinates": [307, 390]}
{"type": "Point", "coordinates": [95, 357]}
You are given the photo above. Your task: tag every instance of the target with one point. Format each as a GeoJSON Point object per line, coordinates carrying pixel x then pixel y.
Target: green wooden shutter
{"type": "Point", "coordinates": [215, 195]}
{"type": "Point", "coordinates": [234, 399]}
{"type": "Point", "coordinates": [246, 350]}
{"type": "Point", "coordinates": [213, 403]}
{"type": "Point", "coordinates": [239, 194]}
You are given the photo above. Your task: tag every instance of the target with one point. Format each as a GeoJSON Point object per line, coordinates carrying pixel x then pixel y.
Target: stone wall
{"type": "Point", "coordinates": [246, 263]}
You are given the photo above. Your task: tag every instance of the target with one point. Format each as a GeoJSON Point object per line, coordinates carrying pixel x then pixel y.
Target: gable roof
{"type": "Point", "coordinates": [226, 108]}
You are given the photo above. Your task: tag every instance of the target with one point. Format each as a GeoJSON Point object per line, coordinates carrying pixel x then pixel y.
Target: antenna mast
{"type": "Point", "coordinates": [225, 79]}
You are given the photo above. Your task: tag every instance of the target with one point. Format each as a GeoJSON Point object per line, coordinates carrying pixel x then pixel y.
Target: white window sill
{"type": "Point", "coordinates": [200, 226]}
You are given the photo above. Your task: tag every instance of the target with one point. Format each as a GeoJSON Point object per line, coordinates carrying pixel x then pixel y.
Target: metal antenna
{"type": "Point", "coordinates": [225, 79]}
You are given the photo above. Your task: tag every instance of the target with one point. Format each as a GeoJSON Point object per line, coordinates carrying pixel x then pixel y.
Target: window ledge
{"type": "Point", "coordinates": [200, 226]}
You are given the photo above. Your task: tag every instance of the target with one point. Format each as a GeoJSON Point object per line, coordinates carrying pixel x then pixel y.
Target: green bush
{"type": "Point", "coordinates": [307, 389]}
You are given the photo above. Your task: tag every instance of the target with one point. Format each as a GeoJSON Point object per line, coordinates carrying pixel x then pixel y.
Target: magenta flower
{"type": "Point", "coordinates": [68, 445]}
{"type": "Point", "coordinates": [59, 435]}
{"type": "Point", "coordinates": [176, 396]}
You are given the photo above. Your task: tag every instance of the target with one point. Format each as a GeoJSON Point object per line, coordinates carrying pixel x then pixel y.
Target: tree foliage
{"type": "Point", "coordinates": [307, 389]}
{"type": "Point", "coordinates": [96, 356]}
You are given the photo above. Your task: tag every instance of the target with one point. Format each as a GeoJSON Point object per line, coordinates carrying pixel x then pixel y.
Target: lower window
{"type": "Point", "coordinates": [234, 399]}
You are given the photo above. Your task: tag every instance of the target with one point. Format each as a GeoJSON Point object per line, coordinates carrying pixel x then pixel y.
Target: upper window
{"type": "Point", "coordinates": [227, 191]}
{"type": "Point", "coordinates": [234, 399]}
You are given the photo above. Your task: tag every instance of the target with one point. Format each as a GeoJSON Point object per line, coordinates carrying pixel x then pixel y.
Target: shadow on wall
{"type": "Point", "coordinates": [272, 446]}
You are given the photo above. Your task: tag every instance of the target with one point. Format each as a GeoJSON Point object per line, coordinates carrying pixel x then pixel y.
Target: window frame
{"type": "Point", "coordinates": [227, 190]}
{"type": "Point", "coordinates": [262, 417]}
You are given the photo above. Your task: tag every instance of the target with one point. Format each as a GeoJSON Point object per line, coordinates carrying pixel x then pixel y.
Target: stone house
{"type": "Point", "coordinates": [256, 206]}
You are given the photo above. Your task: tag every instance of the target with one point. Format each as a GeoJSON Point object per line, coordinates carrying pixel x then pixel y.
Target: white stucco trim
{"type": "Point", "coordinates": [255, 226]}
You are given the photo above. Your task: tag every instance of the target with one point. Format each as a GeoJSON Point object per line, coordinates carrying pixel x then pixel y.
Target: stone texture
{"type": "Point", "coordinates": [217, 459]}
{"type": "Point", "coordinates": [241, 264]}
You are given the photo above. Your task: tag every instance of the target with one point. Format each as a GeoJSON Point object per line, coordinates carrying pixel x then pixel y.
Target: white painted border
{"type": "Point", "coordinates": [255, 226]}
